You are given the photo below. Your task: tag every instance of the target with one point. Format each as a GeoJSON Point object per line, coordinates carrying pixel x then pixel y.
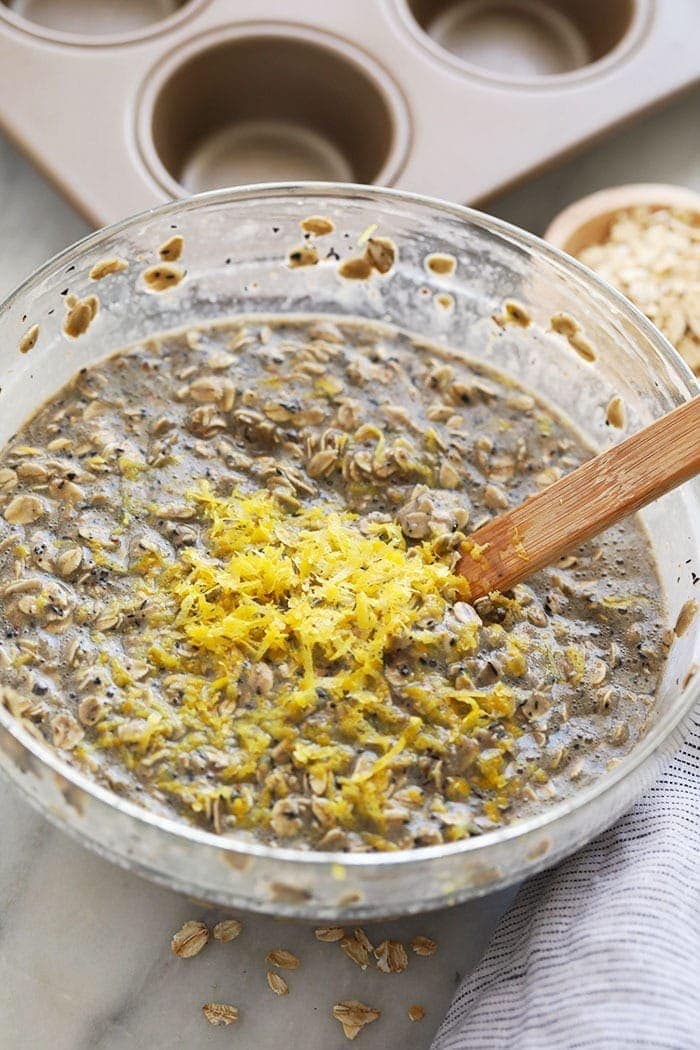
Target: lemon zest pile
{"type": "Point", "coordinates": [309, 589]}
{"type": "Point", "coordinates": [333, 611]}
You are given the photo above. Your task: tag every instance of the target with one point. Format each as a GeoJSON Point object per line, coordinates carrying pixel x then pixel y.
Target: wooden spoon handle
{"type": "Point", "coordinates": [589, 500]}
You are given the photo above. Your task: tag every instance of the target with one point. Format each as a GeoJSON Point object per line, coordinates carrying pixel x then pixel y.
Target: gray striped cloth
{"type": "Point", "coordinates": [602, 952]}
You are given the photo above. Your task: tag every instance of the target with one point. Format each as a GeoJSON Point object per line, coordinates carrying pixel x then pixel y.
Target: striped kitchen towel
{"type": "Point", "coordinates": [603, 951]}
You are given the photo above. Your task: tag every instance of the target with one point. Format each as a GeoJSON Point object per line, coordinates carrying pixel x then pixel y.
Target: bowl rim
{"type": "Point", "coordinates": [652, 744]}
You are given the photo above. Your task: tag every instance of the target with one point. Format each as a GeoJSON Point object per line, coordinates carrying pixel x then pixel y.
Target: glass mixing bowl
{"type": "Point", "coordinates": [236, 245]}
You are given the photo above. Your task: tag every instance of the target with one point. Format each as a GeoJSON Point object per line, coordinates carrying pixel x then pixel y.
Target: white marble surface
{"type": "Point", "coordinates": [84, 957]}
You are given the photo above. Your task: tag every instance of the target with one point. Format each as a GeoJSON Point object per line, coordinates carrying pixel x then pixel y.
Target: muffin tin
{"type": "Point", "coordinates": [127, 104]}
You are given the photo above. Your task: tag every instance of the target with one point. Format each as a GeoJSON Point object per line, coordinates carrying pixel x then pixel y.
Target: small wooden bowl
{"type": "Point", "coordinates": [588, 220]}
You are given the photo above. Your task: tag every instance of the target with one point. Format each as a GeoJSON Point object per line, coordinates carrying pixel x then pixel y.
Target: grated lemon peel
{"type": "Point", "coordinates": [329, 608]}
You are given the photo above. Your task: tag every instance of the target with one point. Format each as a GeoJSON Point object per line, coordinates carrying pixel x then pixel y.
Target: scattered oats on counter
{"type": "Point", "coordinates": [220, 1013]}
{"type": "Point", "coordinates": [277, 983]}
{"type": "Point", "coordinates": [227, 930]}
{"type": "Point", "coordinates": [423, 946]}
{"type": "Point", "coordinates": [283, 958]}
{"type": "Point", "coordinates": [355, 950]}
{"type": "Point", "coordinates": [190, 939]}
{"type": "Point", "coordinates": [391, 957]}
{"type": "Point", "coordinates": [354, 1015]}
{"type": "Point", "coordinates": [652, 255]}
{"type": "Point", "coordinates": [329, 933]}
{"type": "Point", "coordinates": [364, 940]}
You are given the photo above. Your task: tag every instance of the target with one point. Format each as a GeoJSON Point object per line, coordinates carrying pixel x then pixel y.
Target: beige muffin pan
{"type": "Point", "coordinates": [125, 103]}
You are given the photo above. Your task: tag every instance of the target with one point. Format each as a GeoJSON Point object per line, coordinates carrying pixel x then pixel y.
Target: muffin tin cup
{"type": "Point", "coordinates": [97, 23]}
{"type": "Point", "coordinates": [126, 106]}
{"type": "Point", "coordinates": [265, 102]}
{"type": "Point", "coordinates": [528, 42]}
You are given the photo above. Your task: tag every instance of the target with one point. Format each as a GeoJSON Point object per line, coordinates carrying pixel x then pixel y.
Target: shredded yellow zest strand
{"type": "Point", "coordinates": [331, 611]}
{"type": "Point", "coordinates": [308, 589]}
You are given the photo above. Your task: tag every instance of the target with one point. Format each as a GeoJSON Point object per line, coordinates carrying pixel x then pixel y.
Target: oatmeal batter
{"type": "Point", "coordinates": [227, 593]}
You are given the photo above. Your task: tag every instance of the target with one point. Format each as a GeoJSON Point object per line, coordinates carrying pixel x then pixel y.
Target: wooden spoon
{"type": "Point", "coordinates": [593, 497]}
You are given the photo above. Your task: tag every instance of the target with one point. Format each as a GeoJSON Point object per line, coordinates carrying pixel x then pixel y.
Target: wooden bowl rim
{"type": "Point", "coordinates": [564, 227]}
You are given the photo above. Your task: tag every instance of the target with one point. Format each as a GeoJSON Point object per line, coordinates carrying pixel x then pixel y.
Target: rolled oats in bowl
{"type": "Point", "coordinates": [652, 254]}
